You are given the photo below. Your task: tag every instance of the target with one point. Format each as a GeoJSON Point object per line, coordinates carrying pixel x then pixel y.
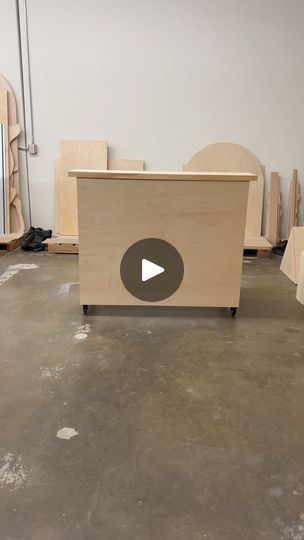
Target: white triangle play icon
{"type": "Point", "coordinates": [150, 269]}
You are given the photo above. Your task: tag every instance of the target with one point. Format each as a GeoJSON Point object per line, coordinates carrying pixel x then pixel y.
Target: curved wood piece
{"type": "Point", "coordinates": [16, 203]}
{"type": "Point", "coordinates": [16, 224]}
{"type": "Point", "coordinates": [231, 157]}
{"type": "Point", "coordinates": [12, 194]}
{"type": "Point", "coordinates": [13, 133]}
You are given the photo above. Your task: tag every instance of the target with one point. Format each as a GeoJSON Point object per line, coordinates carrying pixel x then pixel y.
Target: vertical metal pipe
{"type": "Point", "coordinates": [29, 77]}
{"type": "Point", "coordinates": [21, 70]}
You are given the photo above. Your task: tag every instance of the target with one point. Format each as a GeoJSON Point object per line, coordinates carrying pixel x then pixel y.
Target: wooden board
{"type": "Point", "coordinates": [161, 176]}
{"type": "Point", "coordinates": [76, 154]}
{"type": "Point", "coordinates": [63, 248]}
{"type": "Point", "coordinates": [16, 216]}
{"type": "Point", "coordinates": [274, 210]}
{"type": "Point", "coordinates": [9, 242]}
{"type": "Point", "coordinates": [17, 207]}
{"type": "Point", "coordinates": [13, 133]}
{"type": "Point", "coordinates": [290, 265]}
{"type": "Point", "coordinates": [257, 242]}
{"type": "Point", "coordinates": [126, 165]}
{"type": "Point", "coordinates": [62, 244]}
{"type": "Point", "coordinates": [204, 220]}
{"type": "Point", "coordinates": [16, 224]}
{"type": "Point", "coordinates": [231, 157]}
{"type": "Point", "coordinates": [62, 240]}
{"type": "Point", "coordinates": [257, 246]}
{"type": "Point", "coordinates": [293, 202]}
{"type": "Point", "coordinates": [12, 121]}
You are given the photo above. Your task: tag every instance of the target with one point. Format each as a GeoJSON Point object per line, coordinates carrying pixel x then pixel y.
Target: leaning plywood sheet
{"type": "Point", "coordinates": [73, 155]}
{"type": "Point", "coordinates": [126, 165]}
{"type": "Point", "coordinates": [257, 242]}
{"type": "Point", "coordinates": [274, 210]}
{"type": "Point", "coordinates": [9, 242]}
{"type": "Point", "coordinates": [293, 202]}
{"type": "Point", "coordinates": [290, 265]}
{"type": "Point", "coordinates": [232, 157]}
{"type": "Point", "coordinates": [15, 218]}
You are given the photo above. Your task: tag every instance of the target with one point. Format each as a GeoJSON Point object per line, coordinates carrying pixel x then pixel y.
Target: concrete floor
{"type": "Point", "coordinates": [190, 424]}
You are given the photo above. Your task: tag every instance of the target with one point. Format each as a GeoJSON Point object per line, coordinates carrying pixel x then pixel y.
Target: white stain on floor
{"type": "Point", "coordinates": [84, 328]}
{"type": "Point", "coordinates": [13, 269]}
{"type": "Point", "coordinates": [293, 533]}
{"type": "Point", "coordinates": [51, 373]}
{"type": "Point", "coordinates": [12, 472]}
{"type": "Point", "coordinates": [65, 288]}
{"type": "Point", "coordinates": [66, 433]}
{"type": "Point", "coordinates": [82, 331]}
{"type": "Point", "coordinates": [80, 336]}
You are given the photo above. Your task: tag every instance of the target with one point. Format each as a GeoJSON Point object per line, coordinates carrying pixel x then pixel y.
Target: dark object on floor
{"type": "Point", "coordinates": [34, 239]}
{"type": "Point", "coordinates": [279, 249]}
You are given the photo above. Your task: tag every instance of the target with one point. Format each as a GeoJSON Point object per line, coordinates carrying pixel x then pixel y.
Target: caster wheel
{"type": "Point", "coordinates": [233, 311]}
{"type": "Point", "coordinates": [85, 309]}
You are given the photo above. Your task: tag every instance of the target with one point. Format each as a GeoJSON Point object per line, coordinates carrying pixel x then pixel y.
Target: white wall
{"type": "Point", "coordinates": [160, 79]}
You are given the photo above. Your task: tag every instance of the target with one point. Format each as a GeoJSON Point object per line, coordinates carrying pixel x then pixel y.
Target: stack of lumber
{"type": "Point", "coordinates": [78, 155]}
{"type": "Point", "coordinates": [11, 219]}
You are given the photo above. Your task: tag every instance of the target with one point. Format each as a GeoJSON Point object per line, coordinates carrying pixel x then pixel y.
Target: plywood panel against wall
{"type": "Point", "coordinates": [273, 211]}
{"type": "Point", "coordinates": [293, 202]}
{"type": "Point", "coordinates": [76, 155]}
{"type": "Point", "coordinates": [232, 157]}
{"type": "Point", "coordinates": [126, 165]}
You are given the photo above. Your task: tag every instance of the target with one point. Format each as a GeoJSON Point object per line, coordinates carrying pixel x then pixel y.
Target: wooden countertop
{"type": "Point", "coordinates": [158, 175]}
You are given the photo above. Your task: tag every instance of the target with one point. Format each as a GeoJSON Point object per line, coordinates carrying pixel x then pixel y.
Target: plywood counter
{"type": "Point", "coordinates": [202, 215]}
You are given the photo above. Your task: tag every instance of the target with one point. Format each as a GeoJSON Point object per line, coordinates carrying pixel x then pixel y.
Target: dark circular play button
{"type": "Point", "coordinates": [152, 269]}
